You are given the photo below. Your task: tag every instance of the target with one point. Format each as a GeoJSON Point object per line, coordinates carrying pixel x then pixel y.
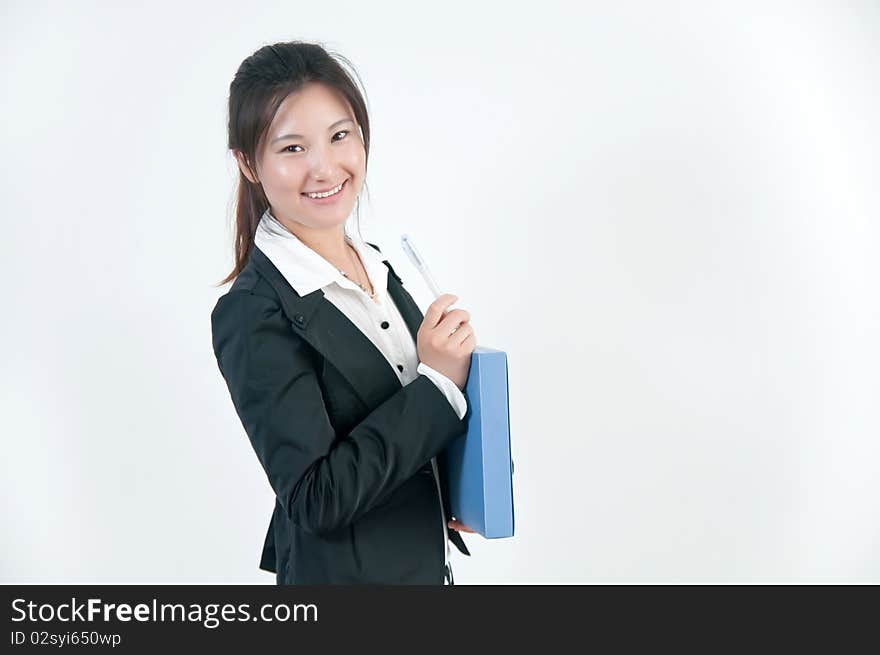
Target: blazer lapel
{"type": "Point", "coordinates": [408, 308]}
{"type": "Point", "coordinates": [329, 331]}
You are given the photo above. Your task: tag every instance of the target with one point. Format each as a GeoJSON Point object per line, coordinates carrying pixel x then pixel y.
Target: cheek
{"type": "Point", "coordinates": [286, 175]}
{"type": "Point", "coordinates": [356, 160]}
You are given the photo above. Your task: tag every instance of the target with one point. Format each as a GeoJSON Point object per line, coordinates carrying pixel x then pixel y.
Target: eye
{"type": "Point", "coordinates": [288, 148]}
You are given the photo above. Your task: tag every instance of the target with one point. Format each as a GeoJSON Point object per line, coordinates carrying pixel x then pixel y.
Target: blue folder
{"type": "Point", "coordinates": [479, 468]}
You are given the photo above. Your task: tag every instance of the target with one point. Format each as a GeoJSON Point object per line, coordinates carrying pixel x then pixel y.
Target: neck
{"type": "Point", "coordinates": [327, 242]}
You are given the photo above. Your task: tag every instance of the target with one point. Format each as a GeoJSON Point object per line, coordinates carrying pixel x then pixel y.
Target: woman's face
{"type": "Point", "coordinates": [312, 145]}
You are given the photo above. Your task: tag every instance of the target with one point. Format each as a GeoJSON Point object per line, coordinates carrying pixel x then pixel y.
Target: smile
{"type": "Point", "coordinates": [326, 194]}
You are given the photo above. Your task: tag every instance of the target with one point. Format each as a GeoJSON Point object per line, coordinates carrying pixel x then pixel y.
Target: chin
{"type": "Point", "coordinates": [326, 222]}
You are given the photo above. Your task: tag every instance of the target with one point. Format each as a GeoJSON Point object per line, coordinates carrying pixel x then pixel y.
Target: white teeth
{"type": "Point", "coordinates": [331, 192]}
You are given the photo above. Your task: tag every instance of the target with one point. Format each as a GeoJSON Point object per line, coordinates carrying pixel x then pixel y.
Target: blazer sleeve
{"type": "Point", "coordinates": [323, 483]}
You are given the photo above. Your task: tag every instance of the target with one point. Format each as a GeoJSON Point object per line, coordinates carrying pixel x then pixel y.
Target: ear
{"type": "Point", "coordinates": [243, 166]}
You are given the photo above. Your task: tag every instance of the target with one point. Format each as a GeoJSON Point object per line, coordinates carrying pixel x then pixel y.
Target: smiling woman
{"type": "Point", "coordinates": [348, 394]}
{"type": "Point", "coordinates": [312, 169]}
{"type": "Point", "coordinates": [288, 104]}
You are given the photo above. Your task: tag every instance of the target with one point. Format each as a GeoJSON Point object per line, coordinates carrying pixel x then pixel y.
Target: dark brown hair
{"type": "Point", "coordinates": [260, 85]}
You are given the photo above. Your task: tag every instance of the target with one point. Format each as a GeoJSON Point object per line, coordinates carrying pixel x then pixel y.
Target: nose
{"type": "Point", "coordinates": [321, 164]}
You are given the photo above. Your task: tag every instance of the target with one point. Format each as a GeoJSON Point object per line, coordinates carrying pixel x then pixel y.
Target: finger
{"type": "Point", "coordinates": [436, 309]}
{"type": "Point", "coordinates": [453, 320]}
{"type": "Point", "coordinates": [461, 527]}
{"type": "Point", "coordinates": [462, 333]}
{"type": "Point", "coordinates": [468, 340]}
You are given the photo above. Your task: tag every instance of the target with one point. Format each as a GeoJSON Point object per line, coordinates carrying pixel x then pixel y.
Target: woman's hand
{"type": "Point", "coordinates": [461, 527]}
{"type": "Point", "coordinates": [445, 341]}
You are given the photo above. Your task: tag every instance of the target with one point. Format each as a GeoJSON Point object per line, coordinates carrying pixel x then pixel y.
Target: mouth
{"type": "Point", "coordinates": [334, 194]}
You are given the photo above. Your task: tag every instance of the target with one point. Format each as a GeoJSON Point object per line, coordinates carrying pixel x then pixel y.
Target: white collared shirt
{"type": "Point", "coordinates": [306, 271]}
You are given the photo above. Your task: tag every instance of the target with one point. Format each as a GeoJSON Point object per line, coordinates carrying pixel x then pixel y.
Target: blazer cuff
{"type": "Point", "coordinates": [448, 387]}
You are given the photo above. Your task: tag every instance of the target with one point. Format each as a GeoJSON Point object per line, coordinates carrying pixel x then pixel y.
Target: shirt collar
{"type": "Point", "coordinates": [304, 269]}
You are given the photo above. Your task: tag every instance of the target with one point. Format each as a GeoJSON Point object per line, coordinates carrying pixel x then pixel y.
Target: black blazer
{"type": "Point", "coordinates": [345, 446]}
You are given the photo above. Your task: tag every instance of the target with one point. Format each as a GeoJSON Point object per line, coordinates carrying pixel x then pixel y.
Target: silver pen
{"type": "Point", "coordinates": [410, 249]}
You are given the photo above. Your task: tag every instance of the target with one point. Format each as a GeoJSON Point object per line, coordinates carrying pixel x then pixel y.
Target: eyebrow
{"type": "Point", "coordinates": [300, 136]}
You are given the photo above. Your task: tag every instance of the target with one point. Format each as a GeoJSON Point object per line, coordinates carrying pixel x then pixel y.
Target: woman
{"type": "Point", "coordinates": [347, 393]}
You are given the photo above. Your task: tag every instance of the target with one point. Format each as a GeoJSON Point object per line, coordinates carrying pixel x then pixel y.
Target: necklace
{"type": "Point", "coordinates": [363, 288]}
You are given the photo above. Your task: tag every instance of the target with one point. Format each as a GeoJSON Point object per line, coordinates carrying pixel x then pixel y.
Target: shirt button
{"type": "Point", "coordinates": [400, 367]}
{"type": "Point", "coordinates": [384, 325]}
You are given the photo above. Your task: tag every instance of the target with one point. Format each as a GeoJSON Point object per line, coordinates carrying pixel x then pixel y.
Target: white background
{"type": "Point", "coordinates": [665, 213]}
